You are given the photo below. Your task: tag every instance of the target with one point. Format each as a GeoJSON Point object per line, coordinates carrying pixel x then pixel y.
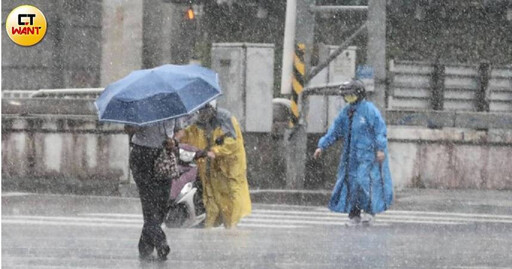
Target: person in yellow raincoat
{"type": "Point", "coordinates": [223, 172]}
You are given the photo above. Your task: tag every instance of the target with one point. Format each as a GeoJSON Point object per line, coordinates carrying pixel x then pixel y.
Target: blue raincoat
{"type": "Point", "coordinates": [361, 180]}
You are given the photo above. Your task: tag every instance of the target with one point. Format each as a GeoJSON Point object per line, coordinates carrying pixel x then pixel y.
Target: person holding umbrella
{"type": "Point", "coordinates": [147, 145]}
{"type": "Point", "coordinates": [223, 168]}
{"type": "Point", "coordinates": [364, 179]}
{"type": "Point", "coordinates": [150, 102]}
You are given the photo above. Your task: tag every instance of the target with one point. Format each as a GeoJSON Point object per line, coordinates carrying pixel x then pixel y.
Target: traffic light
{"type": "Point", "coordinates": [190, 15]}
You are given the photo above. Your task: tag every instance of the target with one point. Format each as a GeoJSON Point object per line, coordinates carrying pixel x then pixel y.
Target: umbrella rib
{"type": "Point", "coordinates": [186, 84]}
{"type": "Point", "coordinates": [141, 78]}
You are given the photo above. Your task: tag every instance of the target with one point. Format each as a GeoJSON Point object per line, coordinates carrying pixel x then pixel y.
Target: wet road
{"type": "Point", "coordinates": [55, 231]}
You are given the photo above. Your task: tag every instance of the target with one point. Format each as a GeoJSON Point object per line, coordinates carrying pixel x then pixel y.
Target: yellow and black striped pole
{"type": "Point", "coordinates": [298, 81]}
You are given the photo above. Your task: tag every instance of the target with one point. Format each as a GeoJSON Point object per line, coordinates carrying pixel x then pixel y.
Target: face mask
{"type": "Point", "coordinates": [350, 98]}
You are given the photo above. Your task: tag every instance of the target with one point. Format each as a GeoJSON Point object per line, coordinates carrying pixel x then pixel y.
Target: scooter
{"type": "Point", "coordinates": [185, 206]}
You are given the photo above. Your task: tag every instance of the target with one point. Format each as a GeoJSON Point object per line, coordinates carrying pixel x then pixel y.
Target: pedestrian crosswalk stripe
{"type": "Point", "coordinates": [385, 217]}
{"type": "Point", "coordinates": [137, 216]}
{"type": "Point", "coordinates": [392, 212]}
{"type": "Point", "coordinates": [11, 194]}
{"type": "Point", "coordinates": [42, 222]}
{"type": "Point", "coordinates": [389, 212]}
{"type": "Point", "coordinates": [389, 215]}
{"type": "Point", "coordinates": [243, 224]}
{"type": "Point", "coordinates": [272, 218]}
{"type": "Point", "coordinates": [338, 223]}
{"type": "Point", "coordinates": [68, 223]}
{"type": "Point", "coordinates": [74, 219]}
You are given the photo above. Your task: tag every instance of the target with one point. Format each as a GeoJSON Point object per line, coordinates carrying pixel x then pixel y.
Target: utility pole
{"type": "Point", "coordinates": [376, 52]}
{"type": "Point", "coordinates": [288, 46]}
{"type": "Point", "coordinates": [296, 139]}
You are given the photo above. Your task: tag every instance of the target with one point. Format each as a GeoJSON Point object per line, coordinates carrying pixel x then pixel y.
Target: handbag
{"type": "Point", "coordinates": [166, 165]}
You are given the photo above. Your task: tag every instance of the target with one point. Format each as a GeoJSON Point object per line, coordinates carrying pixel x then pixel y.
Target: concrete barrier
{"type": "Point", "coordinates": [79, 154]}
{"type": "Point", "coordinates": [63, 154]}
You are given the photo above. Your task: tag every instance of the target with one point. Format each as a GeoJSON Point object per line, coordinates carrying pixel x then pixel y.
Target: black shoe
{"type": "Point", "coordinates": [145, 250]}
{"type": "Point", "coordinates": [145, 257]}
{"type": "Point", "coordinates": [163, 252]}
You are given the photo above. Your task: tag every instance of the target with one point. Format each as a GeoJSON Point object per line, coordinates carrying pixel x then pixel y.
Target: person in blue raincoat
{"type": "Point", "coordinates": [364, 179]}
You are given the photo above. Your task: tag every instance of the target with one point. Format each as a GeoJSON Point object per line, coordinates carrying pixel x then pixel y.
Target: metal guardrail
{"type": "Point", "coordinates": [63, 106]}
{"type": "Point", "coordinates": [61, 102]}
{"type": "Point", "coordinates": [17, 93]}
{"type": "Point", "coordinates": [431, 118]}
{"type": "Point", "coordinates": [92, 93]}
{"type": "Point", "coordinates": [78, 93]}
{"type": "Point", "coordinates": [35, 106]}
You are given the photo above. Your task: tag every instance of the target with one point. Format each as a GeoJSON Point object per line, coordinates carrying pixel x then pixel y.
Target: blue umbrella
{"type": "Point", "coordinates": [152, 95]}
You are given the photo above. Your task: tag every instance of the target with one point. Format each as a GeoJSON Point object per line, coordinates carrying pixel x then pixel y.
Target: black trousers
{"type": "Point", "coordinates": [153, 194]}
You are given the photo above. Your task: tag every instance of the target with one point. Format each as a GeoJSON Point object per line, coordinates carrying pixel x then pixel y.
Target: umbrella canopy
{"type": "Point", "coordinates": [152, 95]}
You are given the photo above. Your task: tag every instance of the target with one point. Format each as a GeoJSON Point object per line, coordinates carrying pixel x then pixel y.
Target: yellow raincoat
{"type": "Point", "coordinates": [224, 178]}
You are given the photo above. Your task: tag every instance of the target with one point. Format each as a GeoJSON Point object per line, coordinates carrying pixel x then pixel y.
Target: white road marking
{"type": "Point", "coordinates": [270, 218]}
{"type": "Point", "coordinates": [11, 194]}
{"type": "Point", "coordinates": [243, 224]}
{"type": "Point", "coordinates": [385, 218]}
{"type": "Point", "coordinates": [393, 212]}
{"type": "Point", "coordinates": [389, 212]}
{"type": "Point", "coordinates": [260, 220]}
{"type": "Point", "coordinates": [137, 216]}
{"type": "Point", "coordinates": [68, 223]}
{"type": "Point", "coordinates": [478, 267]}
{"type": "Point", "coordinates": [71, 219]}
{"type": "Point", "coordinates": [102, 222]}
